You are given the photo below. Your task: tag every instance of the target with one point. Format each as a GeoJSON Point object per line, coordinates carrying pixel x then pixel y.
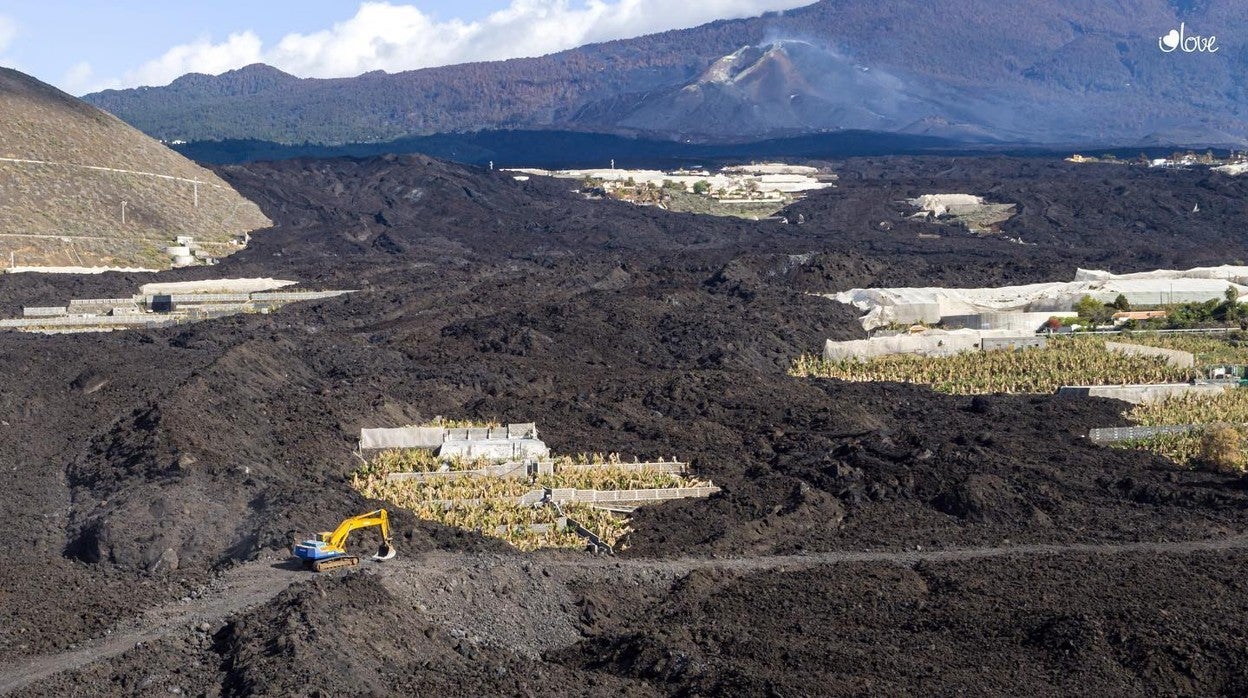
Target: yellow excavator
{"type": "Point", "coordinates": [328, 550]}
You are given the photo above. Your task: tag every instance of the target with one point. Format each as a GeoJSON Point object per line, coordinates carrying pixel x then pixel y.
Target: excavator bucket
{"type": "Point", "coordinates": [385, 552]}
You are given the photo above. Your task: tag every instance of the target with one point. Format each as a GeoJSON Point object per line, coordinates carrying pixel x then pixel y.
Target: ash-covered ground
{"type": "Point", "coordinates": [876, 539]}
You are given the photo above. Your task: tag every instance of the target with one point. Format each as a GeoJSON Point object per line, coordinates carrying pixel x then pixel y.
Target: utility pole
{"type": "Point", "coordinates": [123, 213]}
{"type": "Point", "coordinates": [196, 185]}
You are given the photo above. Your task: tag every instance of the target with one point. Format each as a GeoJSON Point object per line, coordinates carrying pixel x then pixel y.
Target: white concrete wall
{"type": "Point", "coordinates": [1139, 394]}
{"type": "Point", "coordinates": [931, 343]}
{"type": "Point", "coordinates": [213, 286]}
{"type": "Point", "coordinates": [1174, 357]}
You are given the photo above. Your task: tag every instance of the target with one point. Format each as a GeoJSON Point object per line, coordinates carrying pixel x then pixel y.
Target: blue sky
{"type": "Point", "coordinates": [86, 45]}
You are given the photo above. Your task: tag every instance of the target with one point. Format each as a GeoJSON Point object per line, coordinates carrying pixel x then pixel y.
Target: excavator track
{"type": "Point", "coordinates": [336, 563]}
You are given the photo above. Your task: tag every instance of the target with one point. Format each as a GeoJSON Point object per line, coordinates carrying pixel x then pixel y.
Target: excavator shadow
{"type": "Point", "coordinates": [289, 565]}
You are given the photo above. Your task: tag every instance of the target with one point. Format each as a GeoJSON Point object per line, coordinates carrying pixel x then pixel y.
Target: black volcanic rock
{"type": "Point", "coordinates": [617, 329]}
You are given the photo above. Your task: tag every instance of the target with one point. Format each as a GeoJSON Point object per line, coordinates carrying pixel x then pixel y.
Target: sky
{"type": "Point", "coordinates": [84, 46]}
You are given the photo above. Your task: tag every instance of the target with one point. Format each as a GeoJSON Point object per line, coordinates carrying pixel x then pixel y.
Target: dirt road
{"type": "Point", "coordinates": [254, 583]}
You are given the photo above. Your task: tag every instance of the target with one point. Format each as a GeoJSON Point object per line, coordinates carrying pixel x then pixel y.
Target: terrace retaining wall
{"type": "Point", "coordinates": [1111, 435]}
{"type": "Point", "coordinates": [1143, 393]}
{"type": "Point", "coordinates": [519, 469]}
{"type": "Point", "coordinates": [1174, 357]}
{"type": "Point", "coordinates": [570, 496]}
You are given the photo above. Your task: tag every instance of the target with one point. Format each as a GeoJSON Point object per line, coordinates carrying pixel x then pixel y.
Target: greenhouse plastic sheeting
{"type": "Point", "coordinates": [402, 437]}
{"type": "Point", "coordinates": [886, 306]}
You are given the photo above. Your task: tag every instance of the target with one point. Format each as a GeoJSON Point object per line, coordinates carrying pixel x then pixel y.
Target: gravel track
{"type": "Point", "coordinates": [251, 584]}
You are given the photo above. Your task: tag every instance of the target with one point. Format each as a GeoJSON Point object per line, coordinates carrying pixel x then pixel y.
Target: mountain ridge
{"type": "Point", "coordinates": [970, 69]}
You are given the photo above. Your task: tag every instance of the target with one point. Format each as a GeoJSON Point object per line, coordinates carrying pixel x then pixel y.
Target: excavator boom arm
{"type": "Point", "coordinates": [338, 537]}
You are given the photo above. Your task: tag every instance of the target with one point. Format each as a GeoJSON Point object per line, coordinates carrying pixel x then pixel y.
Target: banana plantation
{"type": "Point", "coordinates": [489, 505]}
{"type": "Point", "coordinates": [1064, 361]}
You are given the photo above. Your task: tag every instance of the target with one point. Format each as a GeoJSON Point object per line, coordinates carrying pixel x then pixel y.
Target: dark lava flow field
{"type": "Point", "coordinates": [152, 480]}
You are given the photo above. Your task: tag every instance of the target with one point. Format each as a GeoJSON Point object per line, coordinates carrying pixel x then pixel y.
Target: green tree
{"type": "Point", "coordinates": [1092, 310]}
{"type": "Point", "coordinates": [701, 187]}
{"type": "Point", "coordinates": [1231, 310]}
{"type": "Point", "coordinates": [1087, 307]}
{"type": "Point", "coordinates": [1193, 314]}
{"type": "Point", "coordinates": [1121, 303]}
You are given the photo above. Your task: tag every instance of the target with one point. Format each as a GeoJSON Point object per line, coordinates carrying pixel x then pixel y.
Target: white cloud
{"type": "Point", "coordinates": [199, 56]}
{"type": "Point", "coordinates": [80, 76]}
{"type": "Point", "coordinates": [396, 37]}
